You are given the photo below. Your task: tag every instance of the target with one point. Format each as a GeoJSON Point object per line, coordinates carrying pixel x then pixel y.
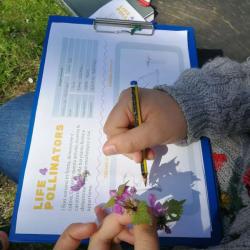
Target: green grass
{"type": "Point", "coordinates": [7, 193]}
{"type": "Point", "coordinates": [22, 32]}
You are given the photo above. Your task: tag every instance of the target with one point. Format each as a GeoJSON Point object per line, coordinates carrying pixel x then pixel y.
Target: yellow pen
{"type": "Point", "coordinates": [137, 122]}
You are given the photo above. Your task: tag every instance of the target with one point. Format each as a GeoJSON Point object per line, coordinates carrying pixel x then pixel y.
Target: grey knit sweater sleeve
{"type": "Point", "coordinates": [215, 99]}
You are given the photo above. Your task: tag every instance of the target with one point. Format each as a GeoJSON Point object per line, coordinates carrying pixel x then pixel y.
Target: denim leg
{"type": "Point", "coordinates": [14, 124]}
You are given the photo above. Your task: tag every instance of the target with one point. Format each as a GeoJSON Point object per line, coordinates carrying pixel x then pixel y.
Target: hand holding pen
{"type": "Point", "coordinates": [163, 122]}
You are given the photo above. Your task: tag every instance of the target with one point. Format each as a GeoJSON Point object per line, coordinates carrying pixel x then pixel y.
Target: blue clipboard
{"type": "Point", "coordinates": [216, 230]}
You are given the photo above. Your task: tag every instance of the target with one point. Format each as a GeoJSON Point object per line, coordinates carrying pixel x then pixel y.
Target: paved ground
{"type": "Point", "coordinates": [219, 24]}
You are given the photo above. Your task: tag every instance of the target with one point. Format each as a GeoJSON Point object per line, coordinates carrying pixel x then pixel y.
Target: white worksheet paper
{"type": "Point", "coordinates": [84, 73]}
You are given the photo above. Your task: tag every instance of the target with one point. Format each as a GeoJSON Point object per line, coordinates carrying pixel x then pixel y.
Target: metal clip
{"type": "Point", "coordinates": [123, 26]}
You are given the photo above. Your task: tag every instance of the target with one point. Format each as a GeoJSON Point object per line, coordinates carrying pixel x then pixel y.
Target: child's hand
{"type": "Point", "coordinates": [163, 122]}
{"type": "Point", "coordinates": [74, 234]}
{"type": "Point", "coordinates": [114, 229]}
{"type": "Point", "coordinates": [4, 241]}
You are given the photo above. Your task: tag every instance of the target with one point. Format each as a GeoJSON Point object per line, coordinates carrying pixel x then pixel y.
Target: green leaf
{"type": "Point", "coordinates": [121, 189]}
{"type": "Point", "coordinates": [174, 209]}
{"type": "Point", "coordinates": [141, 216]}
{"type": "Point", "coordinates": [110, 203]}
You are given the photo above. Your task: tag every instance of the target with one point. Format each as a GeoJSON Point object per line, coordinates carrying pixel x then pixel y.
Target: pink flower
{"type": "Point", "coordinates": [118, 209]}
{"type": "Point", "coordinates": [125, 195]}
{"type": "Point", "coordinates": [157, 207]}
{"type": "Point", "coordinates": [121, 199]}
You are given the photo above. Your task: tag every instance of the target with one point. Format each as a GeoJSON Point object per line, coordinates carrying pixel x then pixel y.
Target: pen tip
{"type": "Point", "coordinates": [145, 180]}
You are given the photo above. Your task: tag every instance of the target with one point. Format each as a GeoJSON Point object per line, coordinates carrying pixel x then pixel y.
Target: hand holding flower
{"type": "Point", "coordinates": [114, 229]}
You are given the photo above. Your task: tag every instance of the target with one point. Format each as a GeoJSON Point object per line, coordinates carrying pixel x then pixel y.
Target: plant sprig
{"type": "Point", "coordinates": [123, 200]}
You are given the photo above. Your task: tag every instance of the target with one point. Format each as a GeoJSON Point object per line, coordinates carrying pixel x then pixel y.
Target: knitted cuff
{"type": "Point", "coordinates": [192, 108]}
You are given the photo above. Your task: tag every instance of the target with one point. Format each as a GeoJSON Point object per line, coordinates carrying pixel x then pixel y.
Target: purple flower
{"type": "Point", "coordinates": [167, 229]}
{"type": "Point", "coordinates": [133, 191]}
{"type": "Point", "coordinates": [79, 181]}
{"type": "Point", "coordinates": [157, 207]}
{"type": "Point", "coordinates": [128, 193]}
{"type": "Point", "coordinates": [122, 198]}
{"type": "Point", "coordinates": [125, 195]}
{"type": "Point", "coordinates": [76, 187]}
{"type": "Point", "coordinates": [151, 200]}
{"type": "Point", "coordinates": [118, 209]}
{"type": "Point", "coordinates": [112, 193]}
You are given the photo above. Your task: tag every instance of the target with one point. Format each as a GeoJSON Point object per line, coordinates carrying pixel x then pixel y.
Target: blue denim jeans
{"type": "Point", "coordinates": [14, 124]}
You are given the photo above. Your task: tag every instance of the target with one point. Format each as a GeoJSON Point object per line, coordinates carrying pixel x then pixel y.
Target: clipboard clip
{"type": "Point", "coordinates": [117, 26]}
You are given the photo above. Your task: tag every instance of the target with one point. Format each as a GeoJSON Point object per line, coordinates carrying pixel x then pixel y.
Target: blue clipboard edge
{"type": "Point", "coordinates": [206, 149]}
{"type": "Point", "coordinates": [212, 190]}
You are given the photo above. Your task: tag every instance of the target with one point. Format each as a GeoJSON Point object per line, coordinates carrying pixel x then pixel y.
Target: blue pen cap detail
{"type": "Point", "coordinates": [133, 83]}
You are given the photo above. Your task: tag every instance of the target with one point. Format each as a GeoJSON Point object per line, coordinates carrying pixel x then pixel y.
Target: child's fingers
{"type": "Point", "coordinates": [137, 156]}
{"type": "Point", "coordinates": [112, 225]}
{"type": "Point", "coordinates": [126, 236]}
{"type": "Point", "coordinates": [100, 214]}
{"type": "Point", "coordinates": [132, 140]}
{"type": "Point", "coordinates": [119, 119]}
{"type": "Point", "coordinates": [72, 236]}
{"type": "Point", "coordinates": [145, 237]}
{"type": "Point", "coordinates": [4, 242]}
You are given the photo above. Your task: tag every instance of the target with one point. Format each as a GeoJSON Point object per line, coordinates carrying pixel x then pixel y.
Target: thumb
{"type": "Point", "coordinates": [145, 237]}
{"type": "Point", "coordinates": [131, 141]}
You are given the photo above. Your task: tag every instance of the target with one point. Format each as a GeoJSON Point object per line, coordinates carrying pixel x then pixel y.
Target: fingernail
{"type": "Point", "coordinates": [109, 150]}
{"type": "Point", "coordinates": [137, 157]}
{"type": "Point", "coordinates": [151, 155]}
